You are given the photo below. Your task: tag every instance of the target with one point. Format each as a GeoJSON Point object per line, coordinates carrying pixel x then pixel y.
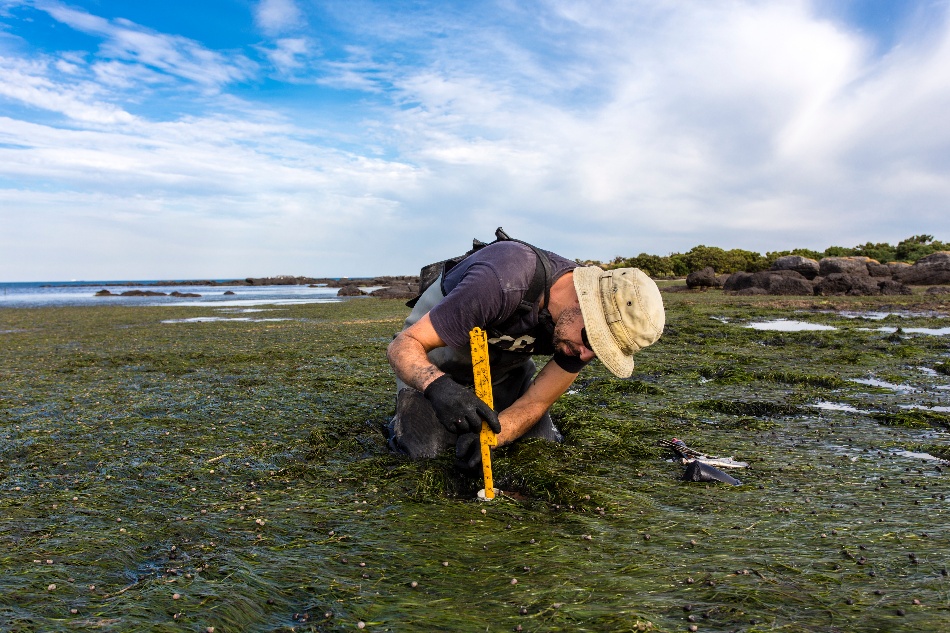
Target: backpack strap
{"type": "Point", "coordinates": [539, 290]}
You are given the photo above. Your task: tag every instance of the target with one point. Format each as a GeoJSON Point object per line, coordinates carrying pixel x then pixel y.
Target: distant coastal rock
{"type": "Point", "coordinates": [388, 287]}
{"type": "Point", "coordinates": [145, 293]}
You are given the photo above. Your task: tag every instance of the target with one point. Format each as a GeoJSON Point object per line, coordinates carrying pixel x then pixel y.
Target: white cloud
{"type": "Point", "coordinates": [171, 54]}
{"type": "Point", "coordinates": [29, 83]}
{"type": "Point", "coordinates": [278, 16]}
{"type": "Point", "coordinates": [290, 54]}
{"type": "Point", "coordinates": [713, 120]}
{"type": "Point", "coordinates": [594, 129]}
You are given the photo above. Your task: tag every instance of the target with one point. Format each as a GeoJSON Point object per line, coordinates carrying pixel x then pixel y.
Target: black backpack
{"type": "Point", "coordinates": [539, 287]}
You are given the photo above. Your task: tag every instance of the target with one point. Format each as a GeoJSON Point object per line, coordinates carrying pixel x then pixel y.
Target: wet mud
{"type": "Point", "coordinates": [233, 474]}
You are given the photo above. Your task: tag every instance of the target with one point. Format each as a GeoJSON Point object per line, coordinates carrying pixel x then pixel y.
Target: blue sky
{"type": "Point", "coordinates": [231, 138]}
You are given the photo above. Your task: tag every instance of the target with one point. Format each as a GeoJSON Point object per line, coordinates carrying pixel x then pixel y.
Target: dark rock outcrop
{"type": "Point", "coordinates": [142, 293]}
{"type": "Point", "coordinates": [843, 266]}
{"type": "Point", "coordinates": [847, 284]}
{"type": "Point", "coordinates": [891, 287]}
{"type": "Point", "coordinates": [772, 282]}
{"type": "Point", "coordinates": [350, 290]}
{"type": "Point", "coordinates": [807, 268]}
{"type": "Point", "coordinates": [184, 294]}
{"type": "Point", "coordinates": [705, 278]}
{"type": "Point", "coordinates": [229, 292]}
{"type": "Point", "coordinates": [738, 281]}
{"type": "Point", "coordinates": [859, 285]}
{"type": "Point", "coordinates": [897, 268]}
{"type": "Point", "coordinates": [876, 269]}
{"type": "Point", "coordinates": [932, 270]}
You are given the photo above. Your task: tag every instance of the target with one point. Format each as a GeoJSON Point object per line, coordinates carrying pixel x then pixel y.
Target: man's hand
{"type": "Point", "coordinates": [468, 452]}
{"type": "Point", "coordinates": [459, 409]}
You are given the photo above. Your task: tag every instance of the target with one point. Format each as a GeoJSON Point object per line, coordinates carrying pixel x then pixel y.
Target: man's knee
{"type": "Point", "coordinates": [415, 429]}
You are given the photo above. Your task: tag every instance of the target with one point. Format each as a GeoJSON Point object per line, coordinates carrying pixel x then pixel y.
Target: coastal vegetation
{"type": "Point", "coordinates": [160, 472]}
{"type": "Point", "coordinates": [738, 260]}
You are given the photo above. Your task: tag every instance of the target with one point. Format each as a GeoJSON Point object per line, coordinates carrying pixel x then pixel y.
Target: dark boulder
{"type": "Point", "coordinates": [705, 278]}
{"type": "Point", "coordinates": [142, 293]}
{"type": "Point", "coordinates": [897, 268]}
{"type": "Point", "coordinates": [876, 269]}
{"type": "Point", "coordinates": [843, 284]}
{"type": "Point", "coordinates": [105, 293]}
{"type": "Point", "coordinates": [807, 268]}
{"type": "Point", "coordinates": [891, 287]}
{"type": "Point", "coordinates": [738, 281]}
{"type": "Point", "coordinates": [783, 282]}
{"type": "Point", "coordinates": [932, 270]}
{"type": "Point", "coordinates": [843, 266]}
{"type": "Point", "coordinates": [184, 294]}
{"type": "Point", "coordinates": [772, 282]}
{"type": "Point", "coordinates": [350, 290]}
{"type": "Point", "coordinates": [229, 292]}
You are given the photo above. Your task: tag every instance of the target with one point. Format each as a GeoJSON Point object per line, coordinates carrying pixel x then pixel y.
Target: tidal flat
{"type": "Point", "coordinates": [160, 471]}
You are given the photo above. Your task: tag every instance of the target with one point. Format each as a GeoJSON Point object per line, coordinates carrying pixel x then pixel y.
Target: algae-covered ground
{"type": "Point", "coordinates": [177, 476]}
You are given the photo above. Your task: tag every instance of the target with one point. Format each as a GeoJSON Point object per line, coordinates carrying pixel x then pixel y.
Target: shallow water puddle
{"type": "Point", "coordinates": [941, 331]}
{"type": "Point", "coordinates": [786, 325]}
{"type": "Point", "coordinates": [837, 406]}
{"type": "Point", "coordinates": [914, 455]}
{"type": "Point", "coordinates": [878, 316]}
{"type": "Point", "coordinates": [919, 406]}
{"type": "Point", "coordinates": [216, 319]}
{"type": "Point", "coordinates": [883, 384]}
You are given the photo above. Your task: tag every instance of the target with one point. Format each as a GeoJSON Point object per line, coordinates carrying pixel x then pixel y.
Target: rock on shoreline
{"type": "Point", "coordinates": [854, 276]}
{"type": "Point", "coordinates": [390, 287]}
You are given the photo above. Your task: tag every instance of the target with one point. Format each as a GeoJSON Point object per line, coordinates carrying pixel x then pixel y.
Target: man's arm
{"type": "Point", "coordinates": [458, 409]}
{"type": "Point", "coordinates": [517, 419]}
{"type": "Point", "coordinates": [408, 354]}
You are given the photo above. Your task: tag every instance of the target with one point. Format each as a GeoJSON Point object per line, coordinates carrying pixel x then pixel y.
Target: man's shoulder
{"type": "Point", "coordinates": [519, 252]}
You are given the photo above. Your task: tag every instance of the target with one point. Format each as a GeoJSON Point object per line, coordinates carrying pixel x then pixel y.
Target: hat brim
{"type": "Point", "coordinates": [587, 286]}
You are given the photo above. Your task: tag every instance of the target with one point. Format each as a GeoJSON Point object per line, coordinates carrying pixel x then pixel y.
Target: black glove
{"type": "Point", "coordinates": [459, 409]}
{"type": "Point", "coordinates": [468, 452]}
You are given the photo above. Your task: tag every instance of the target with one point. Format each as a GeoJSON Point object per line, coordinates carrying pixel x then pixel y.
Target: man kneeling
{"type": "Point", "coordinates": [530, 302]}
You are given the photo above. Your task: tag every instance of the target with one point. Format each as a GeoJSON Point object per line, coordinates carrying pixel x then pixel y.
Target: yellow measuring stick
{"type": "Point", "coordinates": [479, 341]}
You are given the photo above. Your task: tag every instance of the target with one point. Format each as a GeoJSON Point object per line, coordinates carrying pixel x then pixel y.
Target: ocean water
{"type": "Point", "coordinates": [82, 293]}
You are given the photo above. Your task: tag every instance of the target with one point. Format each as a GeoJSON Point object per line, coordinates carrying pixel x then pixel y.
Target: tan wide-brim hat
{"type": "Point", "coordinates": [623, 313]}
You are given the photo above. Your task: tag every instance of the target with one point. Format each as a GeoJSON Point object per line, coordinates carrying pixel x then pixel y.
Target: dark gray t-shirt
{"type": "Point", "coordinates": [485, 290]}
